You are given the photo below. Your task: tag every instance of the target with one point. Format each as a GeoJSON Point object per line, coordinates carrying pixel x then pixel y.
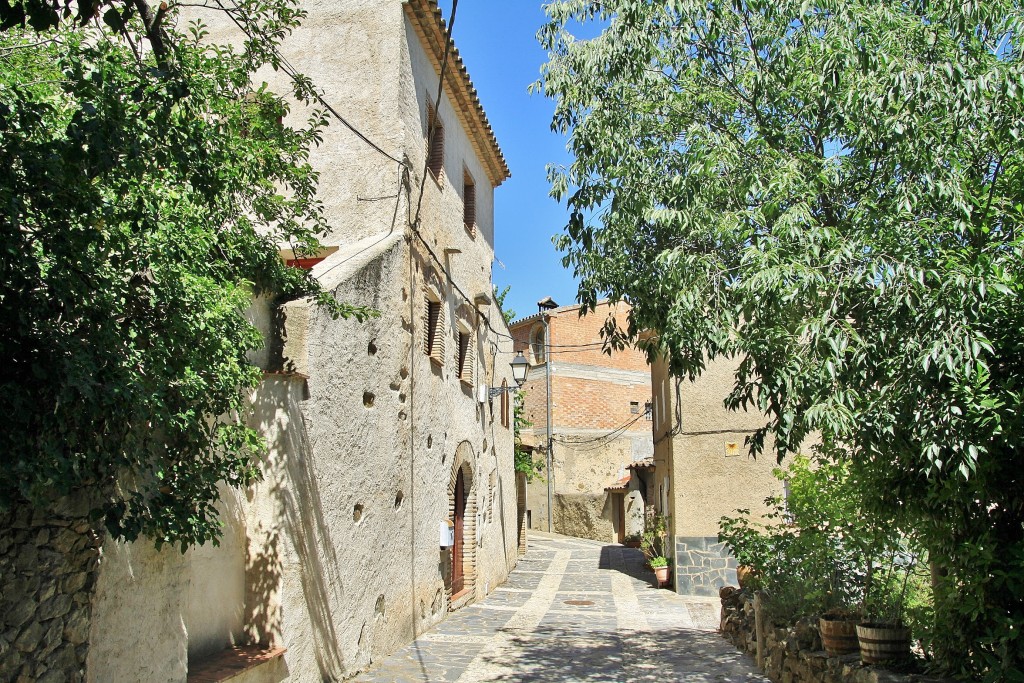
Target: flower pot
{"type": "Point", "coordinates": [838, 635]}
{"type": "Point", "coordinates": [631, 544]}
{"type": "Point", "coordinates": [882, 642]}
{"type": "Point", "coordinates": [661, 574]}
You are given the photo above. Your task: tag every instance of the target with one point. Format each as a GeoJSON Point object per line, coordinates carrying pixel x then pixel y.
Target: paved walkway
{"type": "Point", "coordinates": [573, 610]}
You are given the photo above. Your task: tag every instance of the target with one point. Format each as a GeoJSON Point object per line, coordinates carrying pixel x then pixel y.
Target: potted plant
{"type": "Point", "coordinates": [883, 636]}
{"type": "Point", "coordinates": [659, 564]}
{"type": "Point", "coordinates": [653, 546]}
{"type": "Point", "coordinates": [632, 540]}
{"type": "Point", "coordinates": [749, 544]}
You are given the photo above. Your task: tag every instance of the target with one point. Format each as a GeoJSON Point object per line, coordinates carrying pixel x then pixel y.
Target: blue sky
{"type": "Point", "coordinates": [498, 44]}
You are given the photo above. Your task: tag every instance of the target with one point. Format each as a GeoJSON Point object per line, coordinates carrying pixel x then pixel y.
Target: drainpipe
{"type": "Point", "coordinates": [547, 380]}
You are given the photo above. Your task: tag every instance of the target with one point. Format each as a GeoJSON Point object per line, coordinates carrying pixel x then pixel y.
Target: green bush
{"type": "Point", "coordinates": [818, 550]}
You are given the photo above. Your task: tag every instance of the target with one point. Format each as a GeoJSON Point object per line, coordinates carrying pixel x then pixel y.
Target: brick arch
{"type": "Point", "coordinates": [465, 461]}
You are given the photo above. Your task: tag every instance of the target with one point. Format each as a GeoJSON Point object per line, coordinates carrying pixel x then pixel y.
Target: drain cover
{"type": "Point", "coordinates": [580, 603]}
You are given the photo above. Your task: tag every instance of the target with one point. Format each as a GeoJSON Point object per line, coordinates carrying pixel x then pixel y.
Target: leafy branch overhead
{"type": "Point", "coordinates": [146, 191]}
{"type": "Point", "coordinates": [830, 194]}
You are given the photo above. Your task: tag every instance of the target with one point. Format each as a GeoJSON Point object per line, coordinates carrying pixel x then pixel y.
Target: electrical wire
{"type": "Point", "coordinates": [293, 73]}
{"type": "Point", "coordinates": [610, 435]}
{"type": "Point", "coordinates": [437, 110]}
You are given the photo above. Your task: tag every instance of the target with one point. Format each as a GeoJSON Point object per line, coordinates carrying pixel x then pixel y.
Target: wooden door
{"type": "Point", "coordinates": [619, 510]}
{"type": "Point", "coordinates": [458, 576]}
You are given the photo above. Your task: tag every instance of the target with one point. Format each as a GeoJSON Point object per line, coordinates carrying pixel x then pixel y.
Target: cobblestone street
{"type": "Point", "coordinates": [573, 610]}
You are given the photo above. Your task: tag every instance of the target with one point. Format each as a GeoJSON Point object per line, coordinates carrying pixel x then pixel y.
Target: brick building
{"type": "Point", "coordinates": [599, 422]}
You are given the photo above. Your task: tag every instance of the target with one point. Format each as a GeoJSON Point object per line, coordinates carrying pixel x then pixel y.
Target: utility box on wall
{"type": "Point", "coordinates": [447, 533]}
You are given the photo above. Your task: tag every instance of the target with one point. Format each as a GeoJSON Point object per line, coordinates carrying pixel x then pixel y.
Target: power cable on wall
{"type": "Point", "coordinates": [432, 128]}
{"type": "Point", "coordinates": [403, 166]}
{"type": "Point", "coordinates": [293, 73]}
{"type": "Point", "coordinates": [610, 435]}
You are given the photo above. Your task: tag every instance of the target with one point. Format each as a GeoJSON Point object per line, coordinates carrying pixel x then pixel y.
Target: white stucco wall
{"type": "Point", "coordinates": [154, 611]}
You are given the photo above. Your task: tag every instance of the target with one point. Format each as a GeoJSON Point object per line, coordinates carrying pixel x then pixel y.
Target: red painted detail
{"type": "Point", "coordinates": [306, 263]}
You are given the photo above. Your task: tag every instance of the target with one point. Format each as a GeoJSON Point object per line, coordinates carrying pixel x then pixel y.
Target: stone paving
{"type": "Point", "coordinates": [573, 610]}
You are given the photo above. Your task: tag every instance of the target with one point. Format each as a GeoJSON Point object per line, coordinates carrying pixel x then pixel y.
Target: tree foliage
{"type": "Point", "coordinates": [832, 193]}
{"type": "Point", "coordinates": [145, 190]}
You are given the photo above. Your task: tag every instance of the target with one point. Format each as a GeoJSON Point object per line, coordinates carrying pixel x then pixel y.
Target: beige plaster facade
{"type": "Point", "coordinates": [702, 471]}
{"type": "Point", "coordinates": [335, 555]}
{"type": "Point", "coordinates": [598, 421]}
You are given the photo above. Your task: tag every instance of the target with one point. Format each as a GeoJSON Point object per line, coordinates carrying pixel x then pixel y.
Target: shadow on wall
{"type": "Point", "coordinates": [262, 584]}
{"type": "Point", "coordinates": [610, 657]}
{"type": "Point", "coordinates": [291, 483]}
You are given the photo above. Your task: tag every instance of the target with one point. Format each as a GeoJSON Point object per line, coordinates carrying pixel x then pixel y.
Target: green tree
{"type": "Point", "coordinates": [499, 296]}
{"type": "Point", "coordinates": [146, 182]}
{"type": "Point", "coordinates": [830, 192]}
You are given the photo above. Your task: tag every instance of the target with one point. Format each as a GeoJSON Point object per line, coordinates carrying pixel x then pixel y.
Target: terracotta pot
{"type": "Point", "coordinates": [838, 635]}
{"type": "Point", "coordinates": [745, 575]}
{"type": "Point", "coordinates": [661, 574]}
{"type": "Point", "coordinates": [882, 642]}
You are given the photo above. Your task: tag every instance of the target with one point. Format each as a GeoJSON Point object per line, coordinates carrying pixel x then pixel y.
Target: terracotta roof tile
{"type": "Point", "coordinates": [620, 485]}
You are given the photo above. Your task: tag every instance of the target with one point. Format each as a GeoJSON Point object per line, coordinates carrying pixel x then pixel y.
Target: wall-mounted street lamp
{"type": "Point", "coordinates": [520, 369]}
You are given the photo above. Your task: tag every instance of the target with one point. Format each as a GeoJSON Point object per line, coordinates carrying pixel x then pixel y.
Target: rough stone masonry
{"type": "Point", "coordinates": [48, 566]}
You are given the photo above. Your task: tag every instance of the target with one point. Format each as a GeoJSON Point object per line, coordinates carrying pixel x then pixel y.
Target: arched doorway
{"type": "Point", "coordinates": [462, 506]}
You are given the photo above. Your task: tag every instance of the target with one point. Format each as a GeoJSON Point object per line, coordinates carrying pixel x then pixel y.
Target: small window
{"type": "Point", "coordinates": [634, 407]}
{"type": "Point", "coordinates": [504, 403]}
{"type": "Point", "coordinates": [433, 339]}
{"type": "Point", "coordinates": [469, 204]}
{"type": "Point", "coordinates": [537, 345]}
{"type": "Point", "coordinates": [465, 360]}
{"type": "Point", "coordinates": [435, 144]}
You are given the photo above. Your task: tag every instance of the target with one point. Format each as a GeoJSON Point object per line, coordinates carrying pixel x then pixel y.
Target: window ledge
{"type": "Point", "coordinates": [233, 662]}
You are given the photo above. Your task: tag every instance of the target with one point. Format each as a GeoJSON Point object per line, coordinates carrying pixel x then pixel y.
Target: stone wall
{"type": "Point", "coordinates": [794, 654]}
{"type": "Point", "coordinates": [703, 565]}
{"type": "Point", "coordinates": [47, 574]}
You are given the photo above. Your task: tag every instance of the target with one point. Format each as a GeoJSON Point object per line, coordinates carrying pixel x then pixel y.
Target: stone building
{"type": "Point", "coordinates": [599, 422]}
{"type": "Point", "coordinates": [380, 433]}
{"type": "Point", "coordinates": [701, 472]}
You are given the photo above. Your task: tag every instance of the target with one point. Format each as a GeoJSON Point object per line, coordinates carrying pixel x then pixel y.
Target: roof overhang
{"type": "Point", "coordinates": [430, 27]}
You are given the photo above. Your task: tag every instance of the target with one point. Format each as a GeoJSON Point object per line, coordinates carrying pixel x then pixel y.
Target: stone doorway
{"type": "Point", "coordinates": [460, 579]}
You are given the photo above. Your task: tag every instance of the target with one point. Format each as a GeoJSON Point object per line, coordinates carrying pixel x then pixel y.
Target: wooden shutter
{"type": "Point", "coordinates": [465, 373]}
{"type": "Point", "coordinates": [433, 322]}
{"type": "Point", "coordinates": [469, 204]}
{"type": "Point", "coordinates": [435, 143]}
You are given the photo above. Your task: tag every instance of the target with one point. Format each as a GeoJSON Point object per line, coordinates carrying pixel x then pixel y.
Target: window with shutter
{"type": "Point", "coordinates": [435, 144]}
{"type": "Point", "coordinates": [469, 203]}
{"type": "Point", "coordinates": [433, 338]}
{"type": "Point", "coordinates": [466, 355]}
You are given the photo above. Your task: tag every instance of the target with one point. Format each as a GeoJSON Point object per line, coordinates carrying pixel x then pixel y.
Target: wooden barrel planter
{"type": "Point", "coordinates": [883, 642]}
{"type": "Point", "coordinates": [838, 635]}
